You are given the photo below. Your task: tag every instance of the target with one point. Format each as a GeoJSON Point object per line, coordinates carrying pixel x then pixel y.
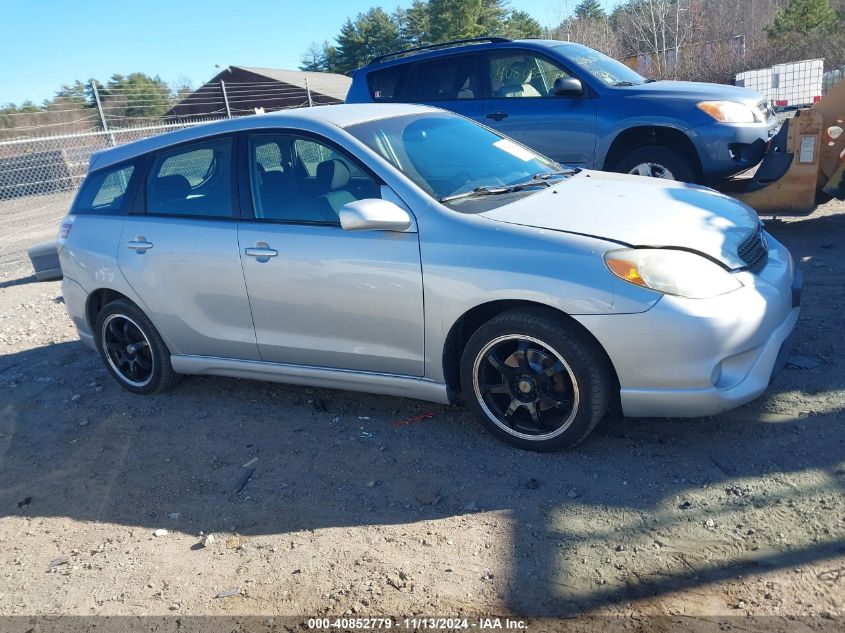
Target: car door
{"type": "Point", "coordinates": [519, 101]}
{"type": "Point", "coordinates": [179, 251]}
{"type": "Point", "coordinates": [322, 296]}
{"type": "Point", "coordinates": [450, 82]}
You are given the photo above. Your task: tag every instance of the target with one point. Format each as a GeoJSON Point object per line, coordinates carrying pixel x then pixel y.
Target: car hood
{"type": "Point", "coordinates": [696, 91]}
{"type": "Point", "coordinates": [638, 211]}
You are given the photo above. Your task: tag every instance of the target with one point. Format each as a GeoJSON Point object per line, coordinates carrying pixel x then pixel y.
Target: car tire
{"type": "Point", "coordinates": [657, 161]}
{"type": "Point", "coordinates": [132, 349]}
{"type": "Point", "coordinates": [535, 380]}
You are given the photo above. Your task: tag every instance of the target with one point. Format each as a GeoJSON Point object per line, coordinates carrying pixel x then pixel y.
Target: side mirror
{"type": "Point", "coordinates": [374, 214]}
{"type": "Point", "coordinates": [568, 87]}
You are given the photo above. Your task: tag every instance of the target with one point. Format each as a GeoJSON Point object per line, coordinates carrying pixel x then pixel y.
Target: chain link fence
{"type": "Point", "coordinates": [37, 159]}
{"type": "Point", "coordinates": [57, 164]}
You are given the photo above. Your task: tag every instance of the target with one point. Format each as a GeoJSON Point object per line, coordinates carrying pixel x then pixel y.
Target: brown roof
{"type": "Point", "coordinates": [328, 84]}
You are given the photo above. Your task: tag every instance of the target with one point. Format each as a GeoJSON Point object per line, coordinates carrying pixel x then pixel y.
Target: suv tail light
{"type": "Point", "coordinates": [64, 230]}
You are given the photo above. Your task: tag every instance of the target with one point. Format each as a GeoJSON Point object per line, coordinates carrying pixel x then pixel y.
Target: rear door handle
{"type": "Point", "coordinates": [498, 115]}
{"type": "Point", "coordinates": [139, 244]}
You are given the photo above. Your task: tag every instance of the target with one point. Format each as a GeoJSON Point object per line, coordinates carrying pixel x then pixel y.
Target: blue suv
{"type": "Point", "coordinates": [580, 106]}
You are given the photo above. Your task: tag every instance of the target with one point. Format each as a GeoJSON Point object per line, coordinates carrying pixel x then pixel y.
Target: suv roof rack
{"type": "Point", "coordinates": [431, 47]}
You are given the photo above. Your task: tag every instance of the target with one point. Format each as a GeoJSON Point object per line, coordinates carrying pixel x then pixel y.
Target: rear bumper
{"type": "Point", "coordinates": [690, 358]}
{"type": "Point", "coordinates": [76, 300]}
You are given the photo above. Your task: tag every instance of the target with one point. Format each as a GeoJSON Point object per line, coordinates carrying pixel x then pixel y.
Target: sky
{"type": "Point", "coordinates": [48, 43]}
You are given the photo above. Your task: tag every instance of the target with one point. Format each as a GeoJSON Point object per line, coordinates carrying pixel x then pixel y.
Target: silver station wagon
{"type": "Point", "coordinates": [405, 250]}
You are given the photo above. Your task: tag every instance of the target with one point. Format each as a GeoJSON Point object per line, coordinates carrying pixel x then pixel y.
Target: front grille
{"type": "Point", "coordinates": [754, 250]}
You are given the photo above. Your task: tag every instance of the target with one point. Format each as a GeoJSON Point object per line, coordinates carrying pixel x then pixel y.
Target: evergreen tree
{"type": "Point", "coordinates": [491, 16]}
{"type": "Point", "coordinates": [520, 25]}
{"type": "Point", "coordinates": [414, 24]}
{"type": "Point", "coordinates": [75, 95]}
{"type": "Point", "coordinates": [803, 17]}
{"type": "Point", "coordinates": [372, 33]}
{"type": "Point", "coordinates": [136, 95]}
{"type": "Point", "coordinates": [330, 59]}
{"type": "Point", "coordinates": [454, 19]}
{"type": "Point", "coordinates": [589, 10]}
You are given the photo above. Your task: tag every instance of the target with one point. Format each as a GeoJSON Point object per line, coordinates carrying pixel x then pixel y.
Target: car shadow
{"type": "Point", "coordinates": [73, 444]}
{"type": "Point", "coordinates": [18, 281]}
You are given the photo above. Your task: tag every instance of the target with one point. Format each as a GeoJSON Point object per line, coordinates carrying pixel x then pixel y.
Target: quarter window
{"type": "Point", "coordinates": [192, 180]}
{"type": "Point", "coordinates": [105, 191]}
{"type": "Point", "coordinates": [446, 79]}
{"type": "Point", "coordinates": [523, 75]}
{"type": "Point", "coordinates": [384, 84]}
{"type": "Point", "coordinates": [295, 179]}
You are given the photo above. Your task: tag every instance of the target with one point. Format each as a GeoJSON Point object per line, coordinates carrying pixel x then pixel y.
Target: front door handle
{"type": "Point", "coordinates": [261, 250]}
{"type": "Point", "coordinates": [139, 244]}
{"type": "Point", "coordinates": [498, 115]}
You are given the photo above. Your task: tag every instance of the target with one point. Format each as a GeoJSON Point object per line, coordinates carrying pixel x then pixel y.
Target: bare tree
{"type": "Point", "coordinates": [657, 30]}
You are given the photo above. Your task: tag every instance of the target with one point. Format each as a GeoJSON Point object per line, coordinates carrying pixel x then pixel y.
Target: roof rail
{"type": "Point", "coordinates": [430, 47]}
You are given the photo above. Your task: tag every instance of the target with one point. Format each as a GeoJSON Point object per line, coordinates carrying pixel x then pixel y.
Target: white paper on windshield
{"type": "Point", "coordinates": [513, 149]}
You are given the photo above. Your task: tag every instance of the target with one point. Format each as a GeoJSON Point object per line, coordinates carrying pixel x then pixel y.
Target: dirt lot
{"type": "Point", "coordinates": [377, 505]}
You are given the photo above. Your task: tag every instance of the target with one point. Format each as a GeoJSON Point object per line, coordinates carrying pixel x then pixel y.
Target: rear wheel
{"type": "Point", "coordinates": [657, 161]}
{"type": "Point", "coordinates": [132, 349]}
{"type": "Point", "coordinates": [534, 380]}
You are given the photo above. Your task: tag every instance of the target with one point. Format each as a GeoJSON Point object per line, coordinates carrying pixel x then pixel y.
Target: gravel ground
{"type": "Point", "coordinates": [378, 505]}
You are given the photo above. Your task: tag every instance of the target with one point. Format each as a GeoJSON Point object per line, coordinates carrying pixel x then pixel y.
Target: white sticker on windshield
{"type": "Point", "coordinates": [513, 149]}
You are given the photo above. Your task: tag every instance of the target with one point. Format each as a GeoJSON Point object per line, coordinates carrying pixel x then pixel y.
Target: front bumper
{"type": "Point", "coordinates": [728, 149]}
{"type": "Point", "coordinates": [690, 358]}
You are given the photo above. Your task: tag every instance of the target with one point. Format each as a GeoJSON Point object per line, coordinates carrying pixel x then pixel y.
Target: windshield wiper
{"type": "Point", "coordinates": [495, 190]}
{"type": "Point", "coordinates": [541, 178]}
{"type": "Point", "coordinates": [622, 83]}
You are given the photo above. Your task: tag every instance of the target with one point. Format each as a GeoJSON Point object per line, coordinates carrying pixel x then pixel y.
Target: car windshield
{"type": "Point", "coordinates": [455, 160]}
{"type": "Point", "coordinates": [606, 69]}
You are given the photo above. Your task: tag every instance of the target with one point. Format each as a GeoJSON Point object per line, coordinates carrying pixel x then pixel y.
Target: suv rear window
{"type": "Point", "coordinates": [105, 191]}
{"type": "Point", "coordinates": [383, 84]}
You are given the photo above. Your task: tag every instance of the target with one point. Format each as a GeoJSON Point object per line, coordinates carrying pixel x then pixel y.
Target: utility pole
{"type": "Point", "coordinates": [225, 99]}
{"type": "Point", "coordinates": [308, 92]}
{"type": "Point", "coordinates": [100, 110]}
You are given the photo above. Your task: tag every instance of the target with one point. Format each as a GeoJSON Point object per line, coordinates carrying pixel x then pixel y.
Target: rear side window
{"type": "Point", "coordinates": [105, 191]}
{"type": "Point", "coordinates": [192, 180]}
{"type": "Point", "coordinates": [384, 84]}
{"type": "Point", "coordinates": [445, 79]}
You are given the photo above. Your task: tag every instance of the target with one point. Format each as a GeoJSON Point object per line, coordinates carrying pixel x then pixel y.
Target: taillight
{"type": "Point", "coordinates": [64, 229]}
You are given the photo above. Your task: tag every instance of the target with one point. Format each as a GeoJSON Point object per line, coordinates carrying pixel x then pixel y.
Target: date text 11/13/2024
{"type": "Point", "coordinates": [418, 623]}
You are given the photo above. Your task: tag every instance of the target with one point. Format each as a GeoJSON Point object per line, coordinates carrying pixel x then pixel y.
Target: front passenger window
{"type": "Point", "coordinates": [192, 180]}
{"type": "Point", "coordinates": [295, 179]}
{"type": "Point", "coordinates": [523, 75]}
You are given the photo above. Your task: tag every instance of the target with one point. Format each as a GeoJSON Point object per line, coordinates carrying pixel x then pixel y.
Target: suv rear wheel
{"type": "Point", "coordinates": [534, 380]}
{"type": "Point", "coordinates": [657, 161]}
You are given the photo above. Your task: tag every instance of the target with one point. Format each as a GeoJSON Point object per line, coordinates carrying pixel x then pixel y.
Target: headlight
{"type": "Point", "coordinates": [671, 271]}
{"type": "Point", "coordinates": [731, 112]}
